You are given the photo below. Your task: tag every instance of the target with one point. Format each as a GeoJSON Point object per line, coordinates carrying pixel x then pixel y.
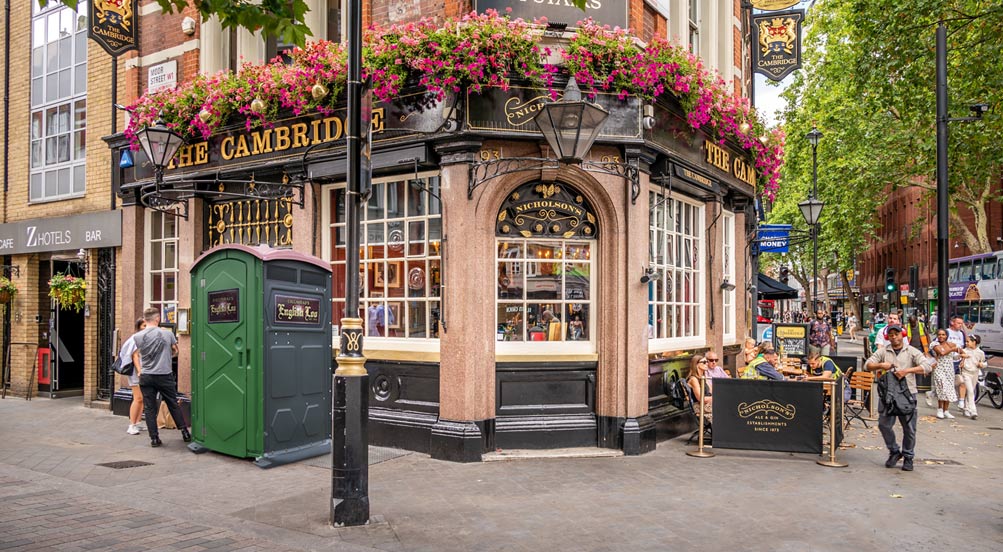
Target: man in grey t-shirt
{"type": "Point", "coordinates": [155, 347]}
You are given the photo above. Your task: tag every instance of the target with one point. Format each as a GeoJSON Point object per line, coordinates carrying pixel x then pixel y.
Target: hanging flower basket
{"type": "Point", "coordinates": [69, 291]}
{"type": "Point", "coordinates": [7, 290]}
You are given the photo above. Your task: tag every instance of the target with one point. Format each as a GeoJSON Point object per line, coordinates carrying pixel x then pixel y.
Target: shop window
{"type": "Point", "coordinates": [728, 271]}
{"type": "Point", "coordinates": [400, 274]}
{"type": "Point", "coordinates": [545, 253]}
{"type": "Point", "coordinates": [675, 305]}
{"type": "Point", "coordinates": [58, 125]}
{"type": "Point", "coordinates": [162, 264]}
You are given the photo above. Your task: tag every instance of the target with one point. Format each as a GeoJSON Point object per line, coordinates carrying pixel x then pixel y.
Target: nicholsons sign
{"type": "Point", "coordinates": [113, 25]}
{"type": "Point", "coordinates": [607, 12]}
{"type": "Point", "coordinates": [768, 415]}
{"type": "Point", "coordinates": [776, 38]}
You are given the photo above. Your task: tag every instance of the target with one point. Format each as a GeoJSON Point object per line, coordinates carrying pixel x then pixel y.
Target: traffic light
{"type": "Point", "coordinates": [785, 274]}
{"type": "Point", "coordinates": [890, 285]}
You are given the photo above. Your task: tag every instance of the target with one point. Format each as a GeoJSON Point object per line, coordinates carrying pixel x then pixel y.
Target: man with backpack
{"type": "Point", "coordinates": [904, 362]}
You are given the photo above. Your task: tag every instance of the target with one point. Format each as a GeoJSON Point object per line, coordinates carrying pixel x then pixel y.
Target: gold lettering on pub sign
{"type": "Point", "coordinates": [519, 112]}
{"type": "Point", "coordinates": [296, 310]}
{"type": "Point", "coordinates": [721, 159]}
{"type": "Point", "coordinates": [272, 140]}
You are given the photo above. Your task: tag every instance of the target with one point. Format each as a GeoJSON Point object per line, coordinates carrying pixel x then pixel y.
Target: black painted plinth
{"type": "Point", "coordinates": [638, 435]}
{"type": "Point", "coordinates": [121, 401]}
{"type": "Point", "coordinates": [456, 441]}
{"type": "Point", "coordinates": [350, 472]}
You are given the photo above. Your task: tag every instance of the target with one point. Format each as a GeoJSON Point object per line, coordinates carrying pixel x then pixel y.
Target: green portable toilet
{"type": "Point", "coordinates": [261, 354]}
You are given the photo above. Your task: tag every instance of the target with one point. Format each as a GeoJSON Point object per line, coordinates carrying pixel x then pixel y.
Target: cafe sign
{"type": "Point", "coordinates": [224, 306]}
{"type": "Point", "coordinates": [606, 12]}
{"type": "Point", "coordinates": [113, 25]}
{"type": "Point", "coordinates": [776, 39]}
{"type": "Point", "coordinates": [296, 310]}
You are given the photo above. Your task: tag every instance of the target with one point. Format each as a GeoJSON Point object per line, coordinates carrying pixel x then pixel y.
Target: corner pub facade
{"type": "Point", "coordinates": [509, 301]}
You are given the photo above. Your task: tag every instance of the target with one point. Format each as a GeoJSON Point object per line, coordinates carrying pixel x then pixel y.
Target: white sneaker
{"type": "Point", "coordinates": [948, 415]}
{"type": "Point", "coordinates": [940, 414]}
{"type": "Point", "coordinates": [141, 427]}
{"type": "Point", "coordinates": [961, 404]}
{"type": "Point", "coordinates": [929, 399]}
{"type": "Point", "coordinates": [133, 430]}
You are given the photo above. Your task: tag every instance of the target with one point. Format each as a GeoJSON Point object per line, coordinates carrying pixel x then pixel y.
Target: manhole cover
{"type": "Point", "coordinates": [123, 464]}
{"type": "Point", "coordinates": [938, 461]}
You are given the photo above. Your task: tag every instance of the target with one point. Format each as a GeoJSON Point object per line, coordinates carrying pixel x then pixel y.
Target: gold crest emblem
{"type": "Point", "coordinates": [778, 35]}
{"type": "Point", "coordinates": [116, 12]}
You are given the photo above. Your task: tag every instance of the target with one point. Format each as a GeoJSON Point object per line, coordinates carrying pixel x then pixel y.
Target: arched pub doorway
{"type": "Point", "coordinates": [545, 314]}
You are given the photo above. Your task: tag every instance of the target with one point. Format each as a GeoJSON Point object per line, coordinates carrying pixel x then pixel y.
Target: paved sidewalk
{"type": "Point", "coordinates": [55, 496]}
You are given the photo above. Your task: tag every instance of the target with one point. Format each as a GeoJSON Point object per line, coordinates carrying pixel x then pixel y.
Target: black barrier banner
{"type": "Point", "coordinates": [781, 416]}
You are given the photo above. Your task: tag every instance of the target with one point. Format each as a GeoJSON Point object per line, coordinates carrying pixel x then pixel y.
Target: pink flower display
{"type": "Point", "coordinates": [467, 53]}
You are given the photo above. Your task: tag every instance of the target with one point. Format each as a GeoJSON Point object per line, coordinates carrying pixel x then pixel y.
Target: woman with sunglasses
{"type": "Point", "coordinates": [698, 369]}
{"type": "Point", "coordinates": [973, 360]}
{"type": "Point", "coordinates": [942, 377]}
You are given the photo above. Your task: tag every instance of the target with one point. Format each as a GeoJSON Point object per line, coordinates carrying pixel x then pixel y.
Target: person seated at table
{"type": "Point", "coordinates": [714, 369]}
{"type": "Point", "coordinates": [821, 367]}
{"type": "Point", "coordinates": [698, 369]}
{"type": "Point", "coordinates": [763, 366]}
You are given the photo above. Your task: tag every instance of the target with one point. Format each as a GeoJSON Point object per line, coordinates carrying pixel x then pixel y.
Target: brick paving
{"type": "Point", "coordinates": [53, 496]}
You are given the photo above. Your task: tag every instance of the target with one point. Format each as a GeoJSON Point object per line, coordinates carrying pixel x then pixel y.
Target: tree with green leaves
{"type": "Point", "coordinates": [868, 85]}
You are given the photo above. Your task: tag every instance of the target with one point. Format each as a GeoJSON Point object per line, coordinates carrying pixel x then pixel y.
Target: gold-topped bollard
{"type": "Point", "coordinates": [832, 462]}
{"type": "Point", "coordinates": [700, 452]}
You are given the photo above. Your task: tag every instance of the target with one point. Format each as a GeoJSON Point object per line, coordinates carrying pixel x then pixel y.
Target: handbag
{"type": "Point", "coordinates": [126, 370]}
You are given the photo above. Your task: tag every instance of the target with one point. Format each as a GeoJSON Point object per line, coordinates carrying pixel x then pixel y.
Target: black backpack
{"type": "Point", "coordinates": [895, 395]}
{"type": "Point", "coordinates": [675, 391]}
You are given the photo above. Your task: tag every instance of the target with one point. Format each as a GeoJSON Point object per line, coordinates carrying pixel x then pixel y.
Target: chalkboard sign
{"type": "Point", "coordinates": [792, 339]}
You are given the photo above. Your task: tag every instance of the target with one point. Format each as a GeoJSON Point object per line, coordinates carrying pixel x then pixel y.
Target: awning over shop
{"type": "Point", "coordinates": [769, 288]}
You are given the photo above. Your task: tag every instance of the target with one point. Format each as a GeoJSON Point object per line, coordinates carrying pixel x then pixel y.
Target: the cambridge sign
{"type": "Point", "coordinates": [113, 25]}
{"type": "Point", "coordinates": [776, 48]}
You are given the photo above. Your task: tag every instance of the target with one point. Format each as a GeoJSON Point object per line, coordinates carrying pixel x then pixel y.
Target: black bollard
{"type": "Point", "coordinates": [350, 473]}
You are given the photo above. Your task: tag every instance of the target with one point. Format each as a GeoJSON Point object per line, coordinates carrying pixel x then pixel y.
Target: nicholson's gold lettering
{"type": "Point", "coordinates": [316, 132]}
{"type": "Point", "coordinates": [201, 153]}
{"type": "Point", "coordinates": [377, 121]}
{"type": "Point", "coordinates": [328, 133]}
{"type": "Point", "coordinates": [262, 142]}
{"type": "Point", "coordinates": [744, 172]}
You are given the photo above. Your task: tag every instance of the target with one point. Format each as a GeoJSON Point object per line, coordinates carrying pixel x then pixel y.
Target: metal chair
{"type": "Point", "coordinates": [691, 401]}
{"type": "Point", "coordinates": [860, 380]}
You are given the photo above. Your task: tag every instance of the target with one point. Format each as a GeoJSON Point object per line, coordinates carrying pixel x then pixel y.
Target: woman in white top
{"type": "Point", "coordinates": [970, 366]}
{"type": "Point", "coordinates": [851, 327]}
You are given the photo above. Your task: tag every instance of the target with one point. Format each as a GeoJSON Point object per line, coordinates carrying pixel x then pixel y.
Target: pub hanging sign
{"type": "Point", "coordinates": [776, 38]}
{"type": "Point", "coordinates": [113, 25]}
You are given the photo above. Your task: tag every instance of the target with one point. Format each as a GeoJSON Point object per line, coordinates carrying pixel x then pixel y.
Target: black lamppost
{"type": "Point", "coordinates": [811, 210]}
{"type": "Point", "coordinates": [350, 409]}
{"type": "Point", "coordinates": [159, 144]}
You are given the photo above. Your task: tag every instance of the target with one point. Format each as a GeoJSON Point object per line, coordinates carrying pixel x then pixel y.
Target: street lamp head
{"type": "Point", "coordinates": [811, 210]}
{"type": "Point", "coordinates": [571, 124]}
{"type": "Point", "coordinates": [814, 136]}
{"type": "Point", "coordinates": [159, 143]}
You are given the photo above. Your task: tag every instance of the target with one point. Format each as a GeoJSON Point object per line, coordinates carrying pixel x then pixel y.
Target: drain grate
{"type": "Point", "coordinates": [123, 464]}
{"type": "Point", "coordinates": [938, 461]}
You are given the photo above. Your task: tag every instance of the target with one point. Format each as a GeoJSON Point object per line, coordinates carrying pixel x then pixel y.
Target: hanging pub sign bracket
{"type": "Point", "coordinates": [483, 171]}
{"type": "Point", "coordinates": [174, 200]}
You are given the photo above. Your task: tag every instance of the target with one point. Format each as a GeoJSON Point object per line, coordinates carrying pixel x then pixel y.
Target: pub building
{"type": "Point", "coordinates": [509, 300]}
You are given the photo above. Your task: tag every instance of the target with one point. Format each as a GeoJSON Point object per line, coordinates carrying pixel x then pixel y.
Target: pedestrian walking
{"type": "Point", "coordinates": [904, 362]}
{"type": "Point", "coordinates": [852, 327]}
{"type": "Point", "coordinates": [155, 346]}
{"type": "Point", "coordinates": [136, 408]}
{"type": "Point", "coordinates": [956, 334]}
{"type": "Point", "coordinates": [971, 365]}
{"type": "Point", "coordinates": [943, 374]}
{"type": "Point", "coordinates": [820, 334]}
